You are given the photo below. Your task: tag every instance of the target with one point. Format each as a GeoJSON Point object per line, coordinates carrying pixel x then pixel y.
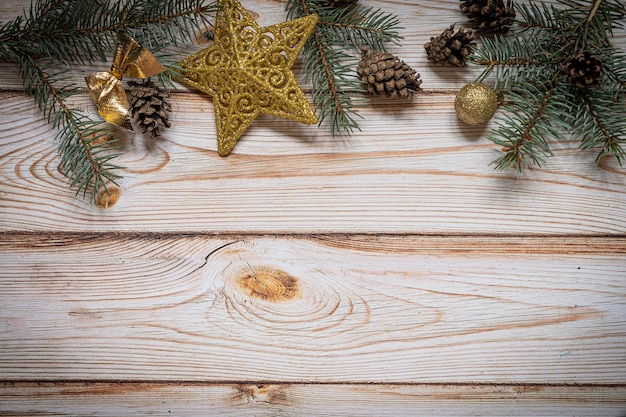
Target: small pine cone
{"type": "Point", "coordinates": [489, 16]}
{"type": "Point", "coordinates": [338, 3]}
{"type": "Point", "coordinates": [585, 70]}
{"type": "Point", "coordinates": [384, 73]}
{"type": "Point", "coordinates": [149, 107]}
{"type": "Point", "coordinates": [450, 48]}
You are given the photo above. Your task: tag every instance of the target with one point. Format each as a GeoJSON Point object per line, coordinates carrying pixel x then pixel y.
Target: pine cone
{"type": "Point", "coordinates": [384, 73]}
{"type": "Point", "coordinates": [338, 3]}
{"type": "Point", "coordinates": [149, 107]}
{"type": "Point", "coordinates": [585, 70]}
{"type": "Point", "coordinates": [450, 48]}
{"type": "Point", "coordinates": [491, 16]}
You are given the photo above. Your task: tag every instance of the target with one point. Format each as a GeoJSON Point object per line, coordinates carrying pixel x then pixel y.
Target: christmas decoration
{"type": "Point", "coordinates": [149, 106]}
{"type": "Point", "coordinates": [585, 70]}
{"type": "Point", "coordinates": [490, 16]}
{"type": "Point", "coordinates": [333, 51]}
{"type": "Point", "coordinates": [475, 104]}
{"type": "Point", "coordinates": [450, 48]}
{"type": "Point", "coordinates": [54, 35]}
{"type": "Point", "coordinates": [248, 71]}
{"type": "Point", "coordinates": [385, 73]}
{"type": "Point", "coordinates": [130, 60]}
{"type": "Point", "coordinates": [560, 77]}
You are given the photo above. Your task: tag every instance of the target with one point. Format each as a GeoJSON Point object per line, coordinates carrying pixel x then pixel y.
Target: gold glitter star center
{"type": "Point", "coordinates": [247, 71]}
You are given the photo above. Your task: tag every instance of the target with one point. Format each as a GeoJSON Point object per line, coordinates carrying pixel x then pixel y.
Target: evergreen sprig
{"type": "Point", "coordinates": [84, 145]}
{"type": "Point", "coordinates": [327, 64]}
{"type": "Point", "coordinates": [540, 101]}
{"type": "Point", "coordinates": [54, 34]}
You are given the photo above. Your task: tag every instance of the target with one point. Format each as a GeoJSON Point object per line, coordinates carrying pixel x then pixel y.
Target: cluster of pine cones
{"type": "Point", "coordinates": [486, 16]}
{"type": "Point", "coordinates": [384, 73]}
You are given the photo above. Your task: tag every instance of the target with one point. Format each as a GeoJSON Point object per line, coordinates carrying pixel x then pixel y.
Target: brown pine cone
{"type": "Point", "coordinates": [490, 16]}
{"type": "Point", "coordinates": [384, 73]}
{"type": "Point", "coordinates": [149, 107]}
{"type": "Point", "coordinates": [585, 70]}
{"type": "Point", "coordinates": [450, 48]}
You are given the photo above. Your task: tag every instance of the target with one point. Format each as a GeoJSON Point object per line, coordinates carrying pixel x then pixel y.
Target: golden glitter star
{"type": "Point", "coordinates": [247, 71]}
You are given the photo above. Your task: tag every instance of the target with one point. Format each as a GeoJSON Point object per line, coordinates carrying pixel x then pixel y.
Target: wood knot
{"type": "Point", "coordinates": [259, 393]}
{"type": "Point", "coordinates": [108, 196]}
{"type": "Point", "coordinates": [268, 284]}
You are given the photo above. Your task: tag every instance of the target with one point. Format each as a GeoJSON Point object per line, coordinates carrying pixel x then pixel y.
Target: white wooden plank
{"type": "Point", "coordinates": [328, 309]}
{"type": "Point", "coordinates": [413, 169]}
{"type": "Point", "coordinates": [418, 23]}
{"type": "Point", "coordinates": [197, 399]}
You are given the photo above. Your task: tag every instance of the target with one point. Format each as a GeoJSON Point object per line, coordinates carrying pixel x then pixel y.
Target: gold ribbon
{"type": "Point", "coordinates": [130, 60]}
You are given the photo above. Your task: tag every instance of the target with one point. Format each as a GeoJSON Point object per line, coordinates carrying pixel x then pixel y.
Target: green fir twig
{"type": "Point", "coordinates": [84, 144]}
{"type": "Point", "coordinates": [55, 34]}
{"type": "Point", "coordinates": [327, 64]}
{"type": "Point", "coordinates": [541, 102]}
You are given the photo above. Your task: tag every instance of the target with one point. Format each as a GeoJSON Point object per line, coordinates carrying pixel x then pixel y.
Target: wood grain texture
{"type": "Point", "coordinates": [391, 273]}
{"type": "Point", "coordinates": [414, 168]}
{"type": "Point", "coordinates": [315, 310]}
{"type": "Point", "coordinates": [425, 177]}
{"type": "Point", "coordinates": [261, 399]}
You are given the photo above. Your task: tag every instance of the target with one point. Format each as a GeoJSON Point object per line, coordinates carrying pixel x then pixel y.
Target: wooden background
{"type": "Point", "coordinates": [389, 273]}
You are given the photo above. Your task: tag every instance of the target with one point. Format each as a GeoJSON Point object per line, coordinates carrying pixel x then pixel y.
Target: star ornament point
{"type": "Point", "coordinates": [247, 71]}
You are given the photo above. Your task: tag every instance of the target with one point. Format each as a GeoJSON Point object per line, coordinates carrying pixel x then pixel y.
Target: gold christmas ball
{"type": "Point", "coordinates": [475, 104]}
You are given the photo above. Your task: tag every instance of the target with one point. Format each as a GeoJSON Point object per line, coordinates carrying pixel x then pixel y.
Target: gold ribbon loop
{"type": "Point", "coordinates": [130, 60]}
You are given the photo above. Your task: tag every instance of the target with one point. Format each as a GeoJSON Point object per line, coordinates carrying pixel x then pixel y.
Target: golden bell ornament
{"type": "Point", "coordinates": [475, 104]}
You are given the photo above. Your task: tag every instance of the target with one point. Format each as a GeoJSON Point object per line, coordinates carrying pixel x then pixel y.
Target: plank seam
{"type": "Point", "coordinates": [235, 234]}
{"type": "Point", "coordinates": [278, 382]}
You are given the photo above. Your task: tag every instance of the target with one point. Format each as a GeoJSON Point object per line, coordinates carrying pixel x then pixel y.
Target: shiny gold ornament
{"type": "Point", "coordinates": [130, 60]}
{"type": "Point", "coordinates": [476, 104]}
{"type": "Point", "coordinates": [247, 71]}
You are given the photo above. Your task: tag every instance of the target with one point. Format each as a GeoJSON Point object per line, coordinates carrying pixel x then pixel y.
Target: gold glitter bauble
{"type": "Point", "coordinates": [475, 104]}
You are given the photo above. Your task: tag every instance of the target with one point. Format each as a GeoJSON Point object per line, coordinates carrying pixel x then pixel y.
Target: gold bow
{"type": "Point", "coordinates": [130, 60]}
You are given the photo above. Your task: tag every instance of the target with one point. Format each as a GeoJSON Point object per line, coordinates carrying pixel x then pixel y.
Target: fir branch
{"type": "Point", "coordinates": [163, 23]}
{"type": "Point", "coordinates": [599, 125]}
{"type": "Point", "coordinates": [514, 59]}
{"type": "Point", "coordinates": [360, 26]}
{"type": "Point", "coordinates": [332, 85]}
{"type": "Point", "coordinates": [539, 16]}
{"type": "Point", "coordinates": [336, 88]}
{"type": "Point", "coordinates": [616, 70]}
{"type": "Point", "coordinates": [535, 55]}
{"type": "Point", "coordinates": [83, 31]}
{"type": "Point", "coordinates": [55, 34]}
{"type": "Point", "coordinates": [85, 155]}
{"type": "Point", "coordinates": [528, 124]}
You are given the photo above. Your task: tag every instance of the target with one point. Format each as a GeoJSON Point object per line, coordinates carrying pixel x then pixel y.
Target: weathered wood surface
{"type": "Point", "coordinates": [326, 309]}
{"type": "Point", "coordinates": [429, 175]}
{"type": "Point", "coordinates": [414, 168]}
{"type": "Point", "coordinates": [261, 399]}
{"type": "Point", "coordinates": [390, 273]}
